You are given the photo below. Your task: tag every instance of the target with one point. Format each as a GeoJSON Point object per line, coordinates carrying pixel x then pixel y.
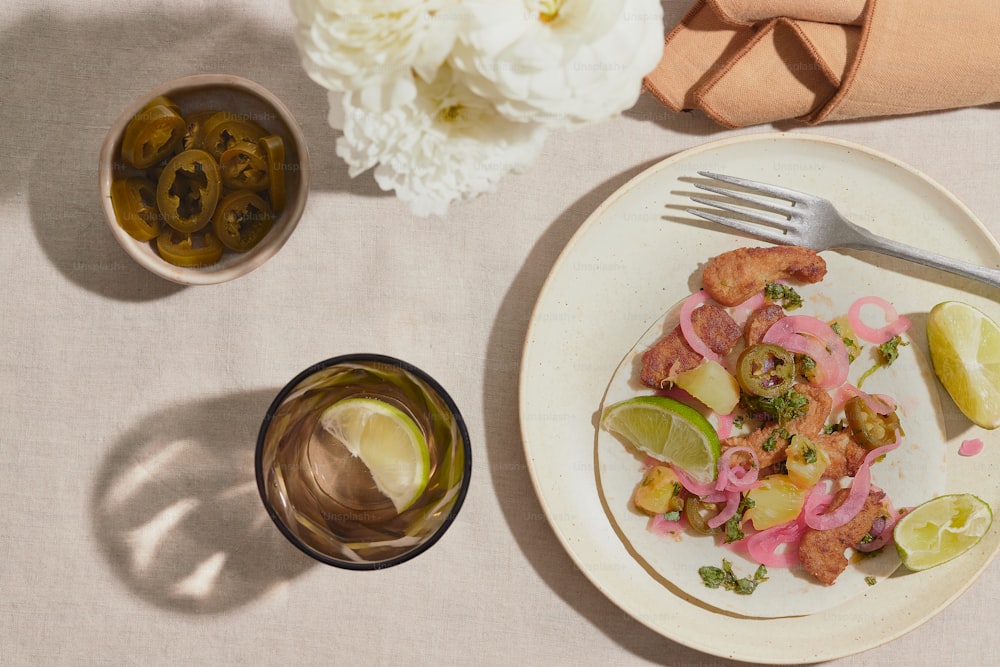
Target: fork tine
{"type": "Point", "coordinates": [765, 188]}
{"type": "Point", "coordinates": [747, 213]}
{"type": "Point", "coordinates": [763, 202]}
{"type": "Point", "coordinates": [752, 229]}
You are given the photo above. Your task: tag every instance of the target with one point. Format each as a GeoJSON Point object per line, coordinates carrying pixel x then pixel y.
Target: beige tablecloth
{"type": "Point", "coordinates": [123, 395]}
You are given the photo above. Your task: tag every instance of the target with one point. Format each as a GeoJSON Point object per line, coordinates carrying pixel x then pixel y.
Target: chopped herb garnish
{"type": "Point", "coordinates": [809, 455]}
{"type": "Point", "coordinates": [783, 295]}
{"type": "Point", "coordinates": [672, 516]}
{"type": "Point", "coordinates": [734, 527]}
{"type": "Point", "coordinates": [716, 577]}
{"type": "Point", "coordinates": [887, 353]}
{"type": "Point", "coordinates": [870, 580]}
{"type": "Point", "coordinates": [867, 538]}
{"type": "Point", "coordinates": [782, 408]}
{"type": "Point", "coordinates": [772, 440]}
{"type": "Point", "coordinates": [890, 349]}
{"type": "Point", "coordinates": [833, 428]}
{"type": "Point", "coordinates": [738, 421]}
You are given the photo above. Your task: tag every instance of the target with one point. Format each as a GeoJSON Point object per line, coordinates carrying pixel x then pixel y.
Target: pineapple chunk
{"type": "Point", "coordinates": [711, 384]}
{"type": "Point", "coordinates": [806, 462]}
{"type": "Point", "coordinates": [659, 491]}
{"type": "Point", "coordinates": [776, 501]}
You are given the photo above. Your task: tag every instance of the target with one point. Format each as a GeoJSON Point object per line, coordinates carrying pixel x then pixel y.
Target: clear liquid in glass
{"type": "Point", "coordinates": [326, 497]}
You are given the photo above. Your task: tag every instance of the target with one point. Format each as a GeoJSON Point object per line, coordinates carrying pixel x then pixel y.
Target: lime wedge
{"type": "Point", "coordinates": [668, 431]}
{"type": "Point", "coordinates": [388, 441]}
{"type": "Point", "coordinates": [941, 529]}
{"type": "Point", "coordinates": [965, 349]}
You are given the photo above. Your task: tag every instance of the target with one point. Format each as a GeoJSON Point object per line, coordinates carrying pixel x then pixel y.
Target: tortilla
{"type": "Point", "coordinates": [911, 474]}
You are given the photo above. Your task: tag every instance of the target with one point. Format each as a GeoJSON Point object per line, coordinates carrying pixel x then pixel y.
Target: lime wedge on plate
{"type": "Point", "coordinates": [388, 441]}
{"type": "Point", "coordinates": [965, 349]}
{"type": "Point", "coordinates": [941, 529]}
{"type": "Point", "coordinates": [669, 431]}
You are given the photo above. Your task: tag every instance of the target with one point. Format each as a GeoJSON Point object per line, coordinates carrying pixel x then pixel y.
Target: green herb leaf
{"type": "Point", "coordinates": [734, 526]}
{"type": "Point", "coordinates": [715, 577]}
{"type": "Point", "coordinates": [809, 455]}
{"type": "Point", "coordinates": [772, 440]}
{"type": "Point", "coordinates": [887, 353]}
{"type": "Point", "coordinates": [783, 295]}
{"type": "Point", "coordinates": [833, 428]}
{"type": "Point", "coordinates": [782, 408]}
{"type": "Point", "coordinates": [712, 576]}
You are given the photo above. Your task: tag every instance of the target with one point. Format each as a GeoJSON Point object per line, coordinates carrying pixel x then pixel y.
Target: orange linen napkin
{"type": "Point", "coordinates": [746, 62]}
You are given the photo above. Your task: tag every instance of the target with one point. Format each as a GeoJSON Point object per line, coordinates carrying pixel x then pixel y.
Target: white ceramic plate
{"type": "Point", "coordinates": [636, 256]}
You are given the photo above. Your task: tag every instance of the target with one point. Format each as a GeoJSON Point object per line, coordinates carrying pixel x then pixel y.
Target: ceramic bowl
{"type": "Point", "coordinates": [207, 92]}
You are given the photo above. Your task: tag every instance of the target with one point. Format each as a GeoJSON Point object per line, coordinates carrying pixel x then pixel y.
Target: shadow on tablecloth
{"type": "Point", "coordinates": [65, 79]}
{"type": "Point", "coordinates": [177, 513]}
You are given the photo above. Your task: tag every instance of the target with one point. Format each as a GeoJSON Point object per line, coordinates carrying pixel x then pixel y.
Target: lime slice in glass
{"type": "Point", "coordinates": [668, 431]}
{"type": "Point", "coordinates": [941, 529]}
{"type": "Point", "coordinates": [388, 441]}
{"type": "Point", "coordinates": [965, 349]}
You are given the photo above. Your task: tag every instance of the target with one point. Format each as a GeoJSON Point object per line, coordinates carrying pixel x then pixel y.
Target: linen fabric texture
{"type": "Point", "coordinates": [748, 62]}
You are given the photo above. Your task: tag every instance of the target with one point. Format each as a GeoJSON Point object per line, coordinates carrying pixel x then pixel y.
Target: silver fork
{"type": "Point", "coordinates": [813, 222]}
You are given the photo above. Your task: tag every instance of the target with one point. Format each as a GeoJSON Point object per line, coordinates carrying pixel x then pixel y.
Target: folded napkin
{"type": "Point", "coordinates": [746, 62]}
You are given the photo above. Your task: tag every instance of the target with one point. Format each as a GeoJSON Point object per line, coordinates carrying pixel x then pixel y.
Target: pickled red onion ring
{"type": "Point", "coordinates": [736, 478]}
{"type": "Point", "coordinates": [690, 485]}
{"type": "Point", "coordinates": [811, 336]}
{"type": "Point", "coordinates": [895, 323]}
{"type": "Point", "coordinates": [885, 399]}
{"type": "Point", "coordinates": [724, 425]}
{"type": "Point", "coordinates": [687, 327]}
{"type": "Point", "coordinates": [741, 311]}
{"type": "Point", "coordinates": [860, 486]}
{"type": "Point", "coordinates": [971, 447]}
{"type": "Point", "coordinates": [728, 512]}
{"type": "Point", "coordinates": [763, 546]}
{"type": "Point", "coordinates": [881, 404]}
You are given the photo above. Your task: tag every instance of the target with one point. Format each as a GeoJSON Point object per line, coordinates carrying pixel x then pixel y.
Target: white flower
{"type": "Point", "coordinates": [561, 62]}
{"type": "Point", "coordinates": [446, 145]}
{"type": "Point", "coordinates": [374, 47]}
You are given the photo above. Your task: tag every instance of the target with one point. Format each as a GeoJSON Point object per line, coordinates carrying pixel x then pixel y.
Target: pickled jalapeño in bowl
{"type": "Point", "coordinates": [363, 461]}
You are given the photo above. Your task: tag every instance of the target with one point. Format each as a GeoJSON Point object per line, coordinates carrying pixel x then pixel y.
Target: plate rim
{"type": "Point", "coordinates": [567, 252]}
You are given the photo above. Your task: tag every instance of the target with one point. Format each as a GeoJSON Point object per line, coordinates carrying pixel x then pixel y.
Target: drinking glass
{"type": "Point", "coordinates": [324, 499]}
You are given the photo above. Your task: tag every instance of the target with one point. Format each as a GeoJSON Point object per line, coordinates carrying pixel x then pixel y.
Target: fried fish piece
{"type": "Point", "coordinates": [771, 450]}
{"type": "Point", "coordinates": [821, 552]}
{"type": "Point", "coordinates": [759, 321]}
{"type": "Point", "coordinates": [671, 355]}
{"type": "Point", "coordinates": [733, 277]}
{"type": "Point", "coordinates": [845, 454]}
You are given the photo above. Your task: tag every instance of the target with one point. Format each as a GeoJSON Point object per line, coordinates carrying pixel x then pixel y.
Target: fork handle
{"type": "Point", "coordinates": [869, 241]}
